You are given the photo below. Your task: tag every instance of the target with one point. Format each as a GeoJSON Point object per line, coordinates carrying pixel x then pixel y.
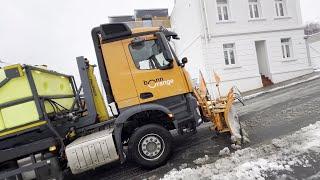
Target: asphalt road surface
{"type": "Point", "coordinates": [265, 117]}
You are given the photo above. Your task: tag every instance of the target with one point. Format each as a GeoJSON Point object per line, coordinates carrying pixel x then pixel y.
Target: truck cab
{"type": "Point", "coordinates": [143, 76]}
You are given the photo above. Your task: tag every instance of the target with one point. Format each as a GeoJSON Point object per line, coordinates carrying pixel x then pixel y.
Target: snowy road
{"type": "Point", "coordinates": [275, 160]}
{"type": "Point", "coordinates": [269, 116]}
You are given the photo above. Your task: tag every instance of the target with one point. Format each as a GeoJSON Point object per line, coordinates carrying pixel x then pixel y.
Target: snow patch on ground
{"type": "Point", "coordinates": [202, 160]}
{"type": "Point", "coordinates": [235, 146]}
{"type": "Point", "coordinates": [257, 163]}
{"type": "Point", "coordinates": [183, 166]}
{"type": "Point", "coordinates": [225, 151]}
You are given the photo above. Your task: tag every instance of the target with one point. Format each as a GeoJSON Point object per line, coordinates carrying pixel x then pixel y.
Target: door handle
{"type": "Point", "coordinates": [146, 95]}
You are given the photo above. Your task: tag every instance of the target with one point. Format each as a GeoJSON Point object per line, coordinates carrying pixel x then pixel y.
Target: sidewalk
{"type": "Point", "coordinates": [282, 85]}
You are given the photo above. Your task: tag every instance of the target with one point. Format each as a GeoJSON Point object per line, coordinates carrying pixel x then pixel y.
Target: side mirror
{"type": "Point", "coordinates": [164, 46]}
{"type": "Point", "coordinates": [184, 60]}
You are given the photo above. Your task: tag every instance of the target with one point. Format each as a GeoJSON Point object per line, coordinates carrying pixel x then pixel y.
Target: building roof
{"type": "Point", "coordinates": [140, 13]}
{"type": "Point", "coordinates": [117, 19]}
{"type": "Point", "coordinates": [148, 13]}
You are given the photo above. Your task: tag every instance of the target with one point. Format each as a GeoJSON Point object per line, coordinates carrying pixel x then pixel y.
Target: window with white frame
{"type": "Point", "coordinates": [254, 9]}
{"type": "Point", "coordinates": [286, 46]}
{"type": "Point", "coordinates": [229, 54]}
{"type": "Point", "coordinates": [223, 10]}
{"type": "Point", "coordinates": [280, 8]}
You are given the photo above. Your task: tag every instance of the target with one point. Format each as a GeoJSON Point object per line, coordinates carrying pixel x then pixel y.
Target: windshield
{"type": "Point", "coordinates": [148, 55]}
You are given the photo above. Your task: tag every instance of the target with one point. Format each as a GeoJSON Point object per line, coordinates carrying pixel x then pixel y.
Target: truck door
{"type": "Point", "coordinates": [146, 62]}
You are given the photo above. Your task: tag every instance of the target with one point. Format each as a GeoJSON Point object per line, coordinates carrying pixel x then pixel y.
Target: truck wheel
{"type": "Point", "coordinates": [150, 146]}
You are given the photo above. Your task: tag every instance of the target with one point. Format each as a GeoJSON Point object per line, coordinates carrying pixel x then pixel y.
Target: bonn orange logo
{"type": "Point", "coordinates": [158, 82]}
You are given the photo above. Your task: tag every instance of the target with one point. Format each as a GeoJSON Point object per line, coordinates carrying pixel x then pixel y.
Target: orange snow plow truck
{"type": "Point", "coordinates": [49, 125]}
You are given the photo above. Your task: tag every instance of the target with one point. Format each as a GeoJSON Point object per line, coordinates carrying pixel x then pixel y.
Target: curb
{"type": "Point", "coordinates": [279, 88]}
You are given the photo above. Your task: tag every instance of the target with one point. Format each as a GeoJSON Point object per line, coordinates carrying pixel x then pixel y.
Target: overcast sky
{"type": "Point", "coordinates": [54, 32]}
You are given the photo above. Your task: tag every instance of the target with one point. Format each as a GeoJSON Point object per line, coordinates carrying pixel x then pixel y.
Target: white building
{"type": "Point", "coordinates": [314, 50]}
{"type": "Point", "coordinates": [241, 40]}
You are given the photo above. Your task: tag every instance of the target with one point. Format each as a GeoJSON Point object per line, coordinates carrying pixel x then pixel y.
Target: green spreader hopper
{"type": "Point", "coordinates": [29, 95]}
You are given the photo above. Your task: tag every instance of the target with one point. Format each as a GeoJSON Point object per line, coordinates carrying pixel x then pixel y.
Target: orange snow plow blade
{"type": "Point", "coordinates": [222, 114]}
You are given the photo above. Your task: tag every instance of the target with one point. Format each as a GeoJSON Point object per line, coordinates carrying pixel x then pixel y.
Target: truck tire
{"type": "Point", "coordinates": [150, 146]}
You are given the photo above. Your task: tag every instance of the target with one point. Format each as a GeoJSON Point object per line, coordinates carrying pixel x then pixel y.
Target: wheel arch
{"type": "Point", "coordinates": [130, 112]}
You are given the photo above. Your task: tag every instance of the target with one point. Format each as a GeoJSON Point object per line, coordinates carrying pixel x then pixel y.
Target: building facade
{"type": "Point", "coordinates": [144, 18]}
{"type": "Point", "coordinates": [249, 43]}
{"type": "Point", "coordinates": [314, 50]}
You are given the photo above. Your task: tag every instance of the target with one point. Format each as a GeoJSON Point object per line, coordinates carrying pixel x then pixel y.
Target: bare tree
{"type": "Point", "coordinates": [312, 28]}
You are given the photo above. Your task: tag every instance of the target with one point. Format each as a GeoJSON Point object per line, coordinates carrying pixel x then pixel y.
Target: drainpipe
{"type": "Point", "coordinates": [207, 38]}
{"type": "Point", "coordinates": [205, 19]}
{"type": "Point", "coordinates": [308, 50]}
